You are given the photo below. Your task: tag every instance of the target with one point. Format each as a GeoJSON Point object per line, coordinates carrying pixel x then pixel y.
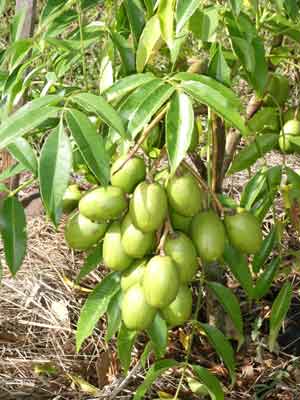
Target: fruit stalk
{"type": "Point", "coordinates": [143, 137]}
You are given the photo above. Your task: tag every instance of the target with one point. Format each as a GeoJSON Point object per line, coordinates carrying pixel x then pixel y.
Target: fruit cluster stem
{"type": "Point", "coordinates": [145, 134]}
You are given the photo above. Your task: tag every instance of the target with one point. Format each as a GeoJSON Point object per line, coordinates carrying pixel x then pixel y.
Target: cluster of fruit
{"type": "Point", "coordinates": [130, 213]}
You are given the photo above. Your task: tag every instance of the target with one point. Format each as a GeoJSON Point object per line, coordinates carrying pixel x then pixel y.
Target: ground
{"type": "Point", "coordinates": [40, 307]}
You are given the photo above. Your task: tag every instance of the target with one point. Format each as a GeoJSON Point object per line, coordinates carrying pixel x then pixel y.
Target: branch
{"type": "Point", "coordinates": [218, 153]}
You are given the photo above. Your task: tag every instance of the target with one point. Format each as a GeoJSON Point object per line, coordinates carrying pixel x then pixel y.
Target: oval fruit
{"type": "Point", "coordinates": [180, 222]}
{"type": "Point", "coordinates": [285, 144]}
{"type": "Point", "coordinates": [244, 232]}
{"type": "Point", "coordinates": [180, 310]}
{"type": "Point", "coordinates": [71, 198]}
{"type": "Point", "coordinates": [185, 195]}
{"type": "Point", "coordinates": [148, 207]}
{"type": "Point", "coordinates": [103, 203]}
{"type": "Point", "coordinates": [135, 242]}
{"type": "Point", "coordinates": [132, 173]}
{"type": "Point", "coordinates": [81, 233]}
{"type": "Point", "coordinates": [160, 281]}
{"type": "Point", "coordinates": [134, 274]}
{"type": "Point", "coordinates": [208, 234]}
{"type": "Point", "coordinates": [182, 250]}
{"type": "Point", "coordinates": [291, 127]}
{"type": "Point", "coordinates": [114, 256]}
{"type": "Point", "coordinates": [136, 313]}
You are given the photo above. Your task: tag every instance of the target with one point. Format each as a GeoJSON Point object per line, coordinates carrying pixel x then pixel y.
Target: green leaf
{"type": "Point", "coordinates": [184, 10]}
{"type": "Point", "coordinates": [27, 118]}
{"type": "Point", "coordinates": [95, 306]}
{"type": "Point", "coordinates": [267, 246]}
{"type": "Point", "coordinates": [148, 42]}
{"type": "Point", "coordinates": [11, 171]}
{"type": "Point", "coordinates": [90, 144]}
{"type": "Point", "coordinates": [265, 280]}
{"type": "Point", "coordinates": [245, 53]}
{"type": "Point", "coordinates": [13, 231]}
{"type": "Point", "coordinates": [136, 17]}
{"type": "Point", "coordinates": [250, 154]}
{"type": "Point", "coordinates": [54, 171]}
{"type": "Point", "coordinates": [236, 6]}
{"type": "Point", "coordinates": [148, 107]}
{"type": "Point", "coordinates": [125, 51]}
{"type": "Point", "coordinates": [2, 6]}
{"type": "Point", "coordinates": [179, 128]}
{"type": "Point", "coordinates": [278, 312]}
{"type": "Point", "coordinates": [91, 262]}
{"type": "Point", "coordinates": [17, 24]}
{"type": "Point", "coordinates": [218, 67]}
{"type": "Point", "coordinates": [211, 383]}
{"type": "Point", "coordinates": [231, 305]}
{"type": "Point", "coordinates": [238, 265]}
{"type": "Point", "coordinates": [204, 23]}
{"type": "Point", "coordinates": [157, 369]}
{"type": "Point", "coordinates": [158, 333]}
{"type": "Point", "coordinates": [126, 85]}
{"type": "Point", "coordinates": [222, 346]}
{"type": "Point", "coordinates": [126, 339]}
{"type": "Point", "coordinates": [150, 4]}
{"type": "Point", "coordinates": [106, 78]}
{"type": "Point", "coordinates": [17, 52]}
{"type": "Point", "coordinates": [217, 96]}
{"type": "Point", "coordinates": [166, 18]}
{"type": "Point", "coordinates": [22, 151]}
{"type": "Point", "coordinates": [253, 189]}
{"type": "Point", "coordinates": [98, 105]}
{"type": "Point", "coordinates": [113, 316]}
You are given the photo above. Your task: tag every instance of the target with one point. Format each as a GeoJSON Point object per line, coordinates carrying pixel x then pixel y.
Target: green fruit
{"type": "Point", "coordinates": [103, 203]}
{"type": "Point", "coordinates": [132, 173]}
{"type": "Point", "coordinates": [208, 235]}
{"type": "Point", "coordinates": [278, 89]}
{"type": "Point", "coordinates": [285, 144]}
{"type": "Point", "coordinates": [71, 198]}
{"type": "Point", "coordinates": [292, 127]}
{"type": "Point", "coordinates": [180, 310]}
{"type": "Point", "coordinates": [148, 207]}
{"type": "Point", "coordinates": [160, 281]}
{"type": "Point", "coordinates": [135, 242]}
{"type": "Point", "coordinates": [114, 256]}
{"type": "Point", "coordinates": [185, 195]}
{"type": "Point", "coordinates": [81, 233]}
{"type": "Point", "coordinates": [182, 250]}
{"type": "Point", "coordinates": [180, 222]}
{"type": "Point", "coordinates": [244, 232]}
{"type": "Point", "coordinates": [136, 313]}
{"type": "Point", "coordinates": [134, 274]}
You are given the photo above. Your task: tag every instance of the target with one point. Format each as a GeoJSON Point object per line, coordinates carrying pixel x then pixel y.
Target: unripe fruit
{"type": "Point", "coordinates": [135, 242]}
{"type": "Point", "coordinates": [244, 232]}
{"type": "Point", "coordinates": [285, 144]}
{"type": "Point", "coordinates": [114, 256]}
{"type": "Point", "coordinates": [81, 233]}
{"type": "Point", "coordinates": [136, 313]}
{"type": "Point", "coordinates": [291, 127]}
{"type": "Point", "coordinates": [208, 235]}
{"type": "Point", "coordinates": [103, 203]}
{"type": "Point", "coordinates": [180, 222]}
{"type": "Point", "coordinates": [160, 281]}
{"type": "Point", "coordinates": [71, 198]}
{"type": "Point", "coordinates": [185, 195]}
{"type": "Point", "coordinates": [148, 207]}
{"type": "Point", "coordinates": [133, 275]}
{"type": "Point", "coordinates": [132, 173]}
{"type": "Point", "coordinates": [182, 250]}
{"type": "Point", "coordinates": [179, 311]}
